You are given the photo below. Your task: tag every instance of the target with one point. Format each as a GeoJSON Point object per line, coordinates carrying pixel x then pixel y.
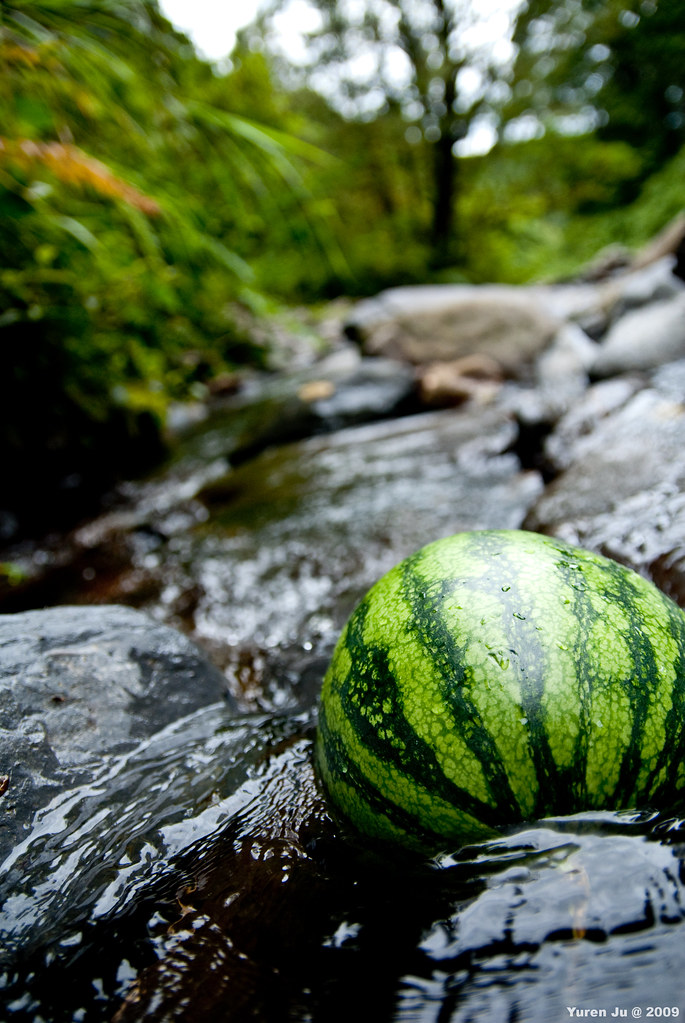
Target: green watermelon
{"type": "Point", "coordinates": [496, 677]}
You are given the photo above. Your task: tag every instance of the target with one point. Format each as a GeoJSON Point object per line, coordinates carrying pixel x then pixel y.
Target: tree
{"type": "Point", "coordinates": [614, 66]}
{"type": "Point", "coordinates": [431, 60]}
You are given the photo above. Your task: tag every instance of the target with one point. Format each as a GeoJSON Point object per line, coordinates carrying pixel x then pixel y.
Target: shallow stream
{"type": "Point", "coordinates": [200, 877]}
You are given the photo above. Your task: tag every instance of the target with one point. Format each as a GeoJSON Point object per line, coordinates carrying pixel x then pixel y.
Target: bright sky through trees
{"type": "Point", "coordinates": [212, 26]}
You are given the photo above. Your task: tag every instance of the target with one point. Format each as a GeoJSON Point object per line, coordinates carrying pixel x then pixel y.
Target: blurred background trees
{"type": "Point", "coordinates": [614, 68]}
{"type": "Point", "coordinates": [433, 65]}
{"type": "Point", "coordinates": [153, 207]}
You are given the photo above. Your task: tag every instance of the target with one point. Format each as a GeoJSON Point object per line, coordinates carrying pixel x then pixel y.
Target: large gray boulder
{"type": "Point", "coordinates": [446, 322]}
{"type": "Point", "coordinates": [441, 323]}
{"type": "Point", "coordinates": [79, 683]}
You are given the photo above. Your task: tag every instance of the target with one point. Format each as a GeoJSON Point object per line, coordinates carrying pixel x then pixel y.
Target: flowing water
{"type": "Point", "coordinates": [199, 876]}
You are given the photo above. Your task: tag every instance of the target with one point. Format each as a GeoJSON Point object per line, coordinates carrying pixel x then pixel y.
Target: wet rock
{"type": "Point", "coordinates": [152, 803]}
{"type": "Point", "coordinates": [339, 391]}
{"type": "Point", "coordinates": [239, 894]}
{"type": "Point", "coordinates": [513, 325]}
{"type": "Point", "coordinates": [580, 303]}
{"type": "Point", "coordinates": [645, 532]}
{"type": "Point", "coordinates": [203, 867]}
{"type": "Point", "coordinates": [263, 562]}
{"type": "Point", "coordinates": [561, 382]}
{"type": "Point", "coordinates": [609, 891]}
{"type": "Point", "coordinates": [179, 854]}
{"type": "Point", "coordinates": [637, 447]}
{"type": "Point", "coordinates": [79, 682]}
{"type": "Point", "coordinates": [621, 486]}
{"type": "Point", "coordinates": [376, 389]}
{"type": "Point", "coordinates": [655, 282]}
{"type": "Point", "coordinates": [576, 427]}
{"type": "Point", "coordinates": [182, 417]}
{"type": "Point", "coordinates": [667, 570]}
{"type": "Point", "coordinates": [669, 380]}
{"type": "Point", "coordinates": [562, 369]}
{"type": "Point", "coordinates": [595, 305]}
{"type": "Point", "coordinates": [299, 534]}
{"type": "Point", "coordinates": [440, 323]}
{"type": "Point", "coordinates": [490, 932]}
{"type": "Point", "coordinates": [643, 339]}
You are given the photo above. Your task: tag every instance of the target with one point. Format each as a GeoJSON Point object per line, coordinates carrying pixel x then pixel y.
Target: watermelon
{"type": "Point", "coordinates": [501, 676]}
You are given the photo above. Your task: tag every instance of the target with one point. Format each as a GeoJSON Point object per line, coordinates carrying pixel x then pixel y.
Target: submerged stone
{"type": "Point", "coordinates": [77, 683]}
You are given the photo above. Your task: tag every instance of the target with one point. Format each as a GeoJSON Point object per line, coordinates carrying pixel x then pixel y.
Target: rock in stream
{"type": "Point", "coordinates": [81, 683]}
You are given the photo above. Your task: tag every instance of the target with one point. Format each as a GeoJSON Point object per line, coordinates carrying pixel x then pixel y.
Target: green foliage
{"type": "Point", "coordinates": [659, 202]}
{"type": "Point", "coordinates": [521, 203]}
{"type": "Point", "coordinates": [618, 65]}
{"type": "Point", "coordinates": [12, 574]}
{"type": "Point", "coordinates": [374, 193]}
{"type": "Point", "coordinates": [529, 208]}
{"type": "Point", "coordinates": [129, 192]}
{"type": "Point", "coordinates": [530, 218]}
{"type": "Point", "coordinates": [409, 56]}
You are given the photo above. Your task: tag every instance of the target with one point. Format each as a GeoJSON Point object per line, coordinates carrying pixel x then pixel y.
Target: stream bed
{"type": "Point", "coordinates": [197, 874]}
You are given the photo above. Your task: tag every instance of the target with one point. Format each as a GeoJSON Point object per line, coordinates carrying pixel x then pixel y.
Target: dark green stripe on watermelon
{"type": "Point", "coordinates": [402, 747]}
{"type": "Point", "coordinates": [342, 767]}
{"type": "Point", "coordinates": [531, 657]}
{"type": "Point", "coordinates": [641, 686]}
{"type": "Point", "coordinates": [669, 791]}
{"type": "Point", "coordinates": [448, 656]}
{"type": "Point", "coordinates": [644, 676]}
